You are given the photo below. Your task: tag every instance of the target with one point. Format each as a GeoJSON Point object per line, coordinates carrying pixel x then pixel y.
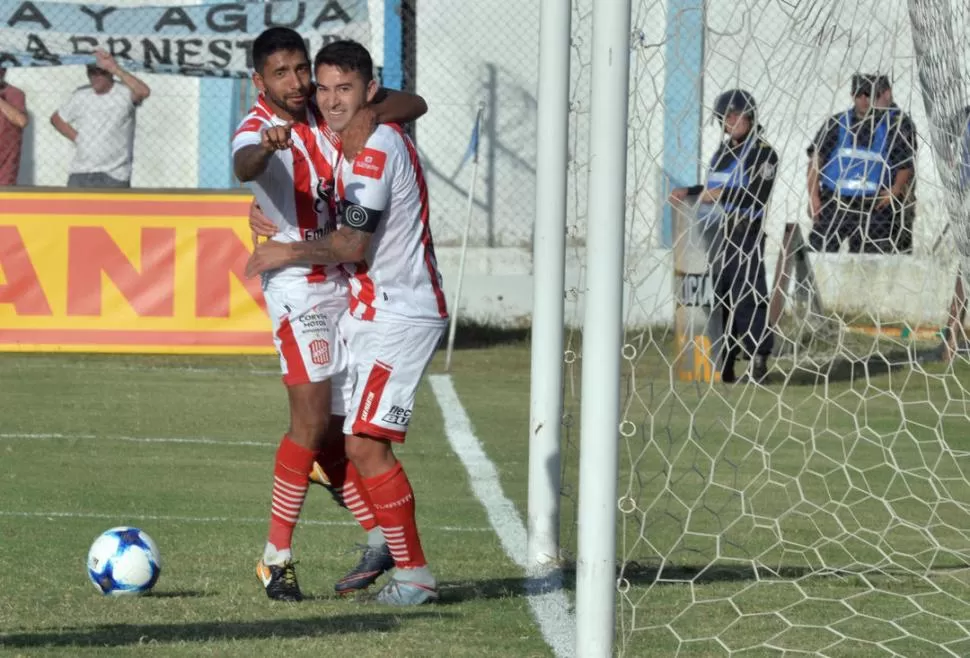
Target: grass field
{"type": "Point", "coordinates": [827, 514]}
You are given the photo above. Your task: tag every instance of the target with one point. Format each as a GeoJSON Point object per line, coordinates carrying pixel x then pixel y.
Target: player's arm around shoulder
{"type": "Point", "coordinates": [366, 196]}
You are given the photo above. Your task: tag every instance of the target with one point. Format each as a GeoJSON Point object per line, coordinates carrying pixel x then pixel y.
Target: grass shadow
{"type": "Point", "coordinates": [847, 369]}
{"type": "Point", "coordinates": [178, 594]}
{"type": "Point", "coordinates": [473, 335]}
{"type": "Point", "coordinates": [118, 635]}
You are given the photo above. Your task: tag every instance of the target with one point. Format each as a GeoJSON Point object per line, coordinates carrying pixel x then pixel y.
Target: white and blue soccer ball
{"type": "Point", "coordinates": [124, 561]}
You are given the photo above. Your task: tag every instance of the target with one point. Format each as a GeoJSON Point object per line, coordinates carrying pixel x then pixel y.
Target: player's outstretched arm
{"type": "Point", "coordinates": [345, 245]}
{"type": "Point", "coordinates": [250, 161]}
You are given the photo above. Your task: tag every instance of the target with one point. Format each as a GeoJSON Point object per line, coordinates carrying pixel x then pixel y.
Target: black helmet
{"type": "Point", "coordinates": [736, 100]}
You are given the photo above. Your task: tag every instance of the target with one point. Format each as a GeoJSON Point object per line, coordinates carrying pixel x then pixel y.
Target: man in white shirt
{"type": "Point", "coordinates": [100, 119]}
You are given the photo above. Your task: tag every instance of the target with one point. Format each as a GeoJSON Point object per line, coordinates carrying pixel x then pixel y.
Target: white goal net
{"type": "Point", "coordinates": [826, 511]}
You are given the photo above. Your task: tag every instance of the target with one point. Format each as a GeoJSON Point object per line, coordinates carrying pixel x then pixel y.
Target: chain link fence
{"type": "Point", "coordinates": [194, 58]}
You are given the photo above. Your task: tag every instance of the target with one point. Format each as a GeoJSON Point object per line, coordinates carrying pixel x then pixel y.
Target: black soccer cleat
{"type": "Point", "coordinates": [375, 561]}
{"type": "Point", "coordinates": [279, 581]}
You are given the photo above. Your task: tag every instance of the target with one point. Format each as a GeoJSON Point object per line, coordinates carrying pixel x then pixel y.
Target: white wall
{"type": "Point", "coordinates": [166, 133]}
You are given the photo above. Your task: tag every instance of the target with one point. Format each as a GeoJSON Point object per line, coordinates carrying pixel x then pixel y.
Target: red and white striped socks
{"type": "Point", "coordinates": [392, 500]}
{"type": "Point", "coordinates": [290, 482]}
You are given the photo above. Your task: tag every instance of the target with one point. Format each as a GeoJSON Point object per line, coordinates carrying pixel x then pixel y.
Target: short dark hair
{"type": "Point", "coordinates": [274, 40]}
{"type": "Point", "coordinates": [348, 56]}
{"type": "Point", "coordinates": [863, 84]}
{"type": "Point", "coordinates": [882, 84]}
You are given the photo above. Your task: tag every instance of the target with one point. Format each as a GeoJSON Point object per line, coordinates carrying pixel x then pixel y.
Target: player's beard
{"type": "Point", "coordinates": [290, 106]}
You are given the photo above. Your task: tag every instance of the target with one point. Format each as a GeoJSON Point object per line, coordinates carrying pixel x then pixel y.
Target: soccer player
{"type": "Point", "coordinates": [285, 149]}
{"type": "Point", "coordinates": [397, 308]}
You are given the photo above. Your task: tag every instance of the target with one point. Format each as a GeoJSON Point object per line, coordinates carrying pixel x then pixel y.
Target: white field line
{"type": "Point", "coordinates": [138, 439]}
{"type": "Point", "coordinates": [81, 365]}
{"type": "Point", "coordinates": [122, 518]}
{"type": "Point", "coordinates": [549, 602]}
{"type": "Point", "coordinates": [185, 519]}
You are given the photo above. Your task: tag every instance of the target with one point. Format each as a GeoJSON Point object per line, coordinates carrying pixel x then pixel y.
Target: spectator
{"type": "Point", "coordinates": [859, 170]}
{"type": "Point", "coordinates": [906, 131]}
{"type": "Point", "coordinates": [100, 119]}
{"type": "Point", "coordinates": [13, 120]}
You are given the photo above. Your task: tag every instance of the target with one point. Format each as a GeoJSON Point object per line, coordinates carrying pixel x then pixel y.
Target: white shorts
{"type": "Point", "coordinates": [307, 337]}
{"type": "Point", "coordinates": [387, 361]}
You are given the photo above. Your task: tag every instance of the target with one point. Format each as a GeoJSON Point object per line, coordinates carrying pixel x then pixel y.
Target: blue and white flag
{"type": "Point", "coordinates": [200, 39]}
{"type": "Point", "coordinates": [471, 153]}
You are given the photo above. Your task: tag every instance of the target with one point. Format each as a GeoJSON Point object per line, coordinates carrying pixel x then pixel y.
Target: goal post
{"type": "Point", "coordinates": [548, 270]}
{"type": "Point", "coordinates": [602, 329]}
{"type": "Point", "coordinates": [828, 511]}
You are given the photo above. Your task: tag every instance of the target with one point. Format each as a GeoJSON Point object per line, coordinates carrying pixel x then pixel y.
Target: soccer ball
{"type": "Point", "coordinates": [124, 561]}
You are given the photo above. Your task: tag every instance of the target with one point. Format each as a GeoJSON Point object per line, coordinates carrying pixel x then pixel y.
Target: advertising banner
{"type": "Point", "coordinates": [117, 272]}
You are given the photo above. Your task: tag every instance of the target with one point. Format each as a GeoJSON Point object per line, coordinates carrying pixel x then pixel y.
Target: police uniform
{"type": "Point", "coordinates": [859, 158]}
{"type": "Point", "coordinates": [902, 237]}
{"type": "Point", "coordinates": [744, 173]}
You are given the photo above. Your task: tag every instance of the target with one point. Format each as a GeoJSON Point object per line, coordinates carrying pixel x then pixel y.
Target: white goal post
{"type": "Point", "coordinates": [827, 512]}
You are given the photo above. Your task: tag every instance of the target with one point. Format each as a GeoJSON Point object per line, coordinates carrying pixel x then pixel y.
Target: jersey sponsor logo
{"type": "Point", "coordinates": [398, 416]}
{"type": "Point", "coordinates": [370, 163]}
{"type": "Point", "coordinates": [310, 234]}
{"type": "Point", "coordinates": [320, 352]}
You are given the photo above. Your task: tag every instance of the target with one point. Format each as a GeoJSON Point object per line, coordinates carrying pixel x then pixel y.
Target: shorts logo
{"type": "Point", "coordinates": [370, 163]}
{"type": "Point", "coordinates": [398, 416]}
{"type": "Point", "coordinates": [365, 412]}
{"type": "Point", "coordinates": [320, 352]}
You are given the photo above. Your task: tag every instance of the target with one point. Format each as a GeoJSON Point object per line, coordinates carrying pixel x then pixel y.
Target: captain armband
{"type": "Point", "coordinates": [360, 218]}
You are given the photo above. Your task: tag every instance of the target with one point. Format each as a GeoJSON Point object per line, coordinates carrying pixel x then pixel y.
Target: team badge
{"type": "Point", "coordinates": [320, 352]}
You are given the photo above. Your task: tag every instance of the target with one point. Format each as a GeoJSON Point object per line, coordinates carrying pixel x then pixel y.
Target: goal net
{"type": "Point", "coordinates": [827, 511]}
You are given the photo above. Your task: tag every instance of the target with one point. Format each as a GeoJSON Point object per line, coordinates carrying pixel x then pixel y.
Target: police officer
{"type": "Point", "coordinates": [859, 172]}
{"type": "Point", "coordinates": [731, 206]}
{"type": "Point", "coordinates": [905, 130]}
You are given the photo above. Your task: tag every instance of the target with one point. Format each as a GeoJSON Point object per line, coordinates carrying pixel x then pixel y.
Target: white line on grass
{"type": "Point", "coordinates": [546, 596]}
{"type": "Point", "coordinates": [140, 439]}
{"type": "Point", "coordinates": [82, 365]}
{"type": "Point", "coordinates": [120, 517]}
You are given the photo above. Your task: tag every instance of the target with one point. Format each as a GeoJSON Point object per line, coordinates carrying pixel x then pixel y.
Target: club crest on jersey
{"type": "Point", "coordinates": [320, 352]}
{"type": "Point", "coordinates": [370, 163]}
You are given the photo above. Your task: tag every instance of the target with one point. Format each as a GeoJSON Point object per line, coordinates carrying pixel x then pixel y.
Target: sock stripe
{"type": "Point", "coordinates": [285, 496]}
{"type": "Point", "coordinates": [283, 516]}
{"type": "Point", "coordinates": [288, 486]}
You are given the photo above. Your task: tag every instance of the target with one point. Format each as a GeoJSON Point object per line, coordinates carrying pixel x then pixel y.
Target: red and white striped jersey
{"type": "Point", "coordinates": [399, 280]}
{"type": "Point", "coordinates": [295, 190]}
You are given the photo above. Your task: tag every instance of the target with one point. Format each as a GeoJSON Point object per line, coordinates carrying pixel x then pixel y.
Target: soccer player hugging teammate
{"type": "Point", "coordinates": [284, 148]}
{"type": "Point", "coordinates": [397, 310]}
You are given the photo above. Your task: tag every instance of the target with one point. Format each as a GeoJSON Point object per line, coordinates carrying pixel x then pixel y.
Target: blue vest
{"type": "Point", "coordinates": [859, 170]}
{"type": "Point", "coordinates": [733, 177]}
